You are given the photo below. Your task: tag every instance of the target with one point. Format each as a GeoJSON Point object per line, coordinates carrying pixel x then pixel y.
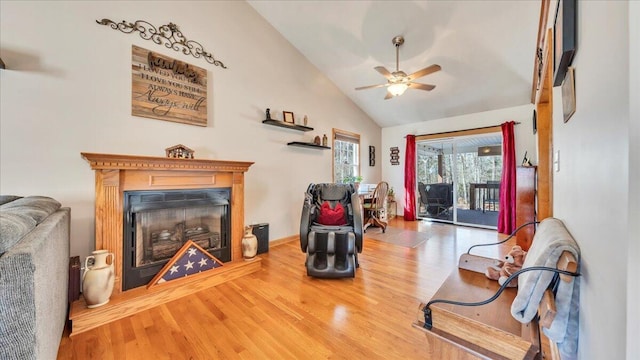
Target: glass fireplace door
{"type": "Point", "coordinates": [158, 223]}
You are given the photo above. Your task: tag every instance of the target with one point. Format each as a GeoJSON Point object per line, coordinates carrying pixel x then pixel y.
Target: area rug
{"type": "Point", "coordinates": [400, 237]}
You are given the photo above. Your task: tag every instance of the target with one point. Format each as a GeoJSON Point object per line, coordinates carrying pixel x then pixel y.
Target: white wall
{"type": "Point", "coordinates": [67, 90]}
{"type": "Point", "coordinates": [591, 190]}
{"type": "Point", "coordinates": [394, 136]}
{"type": "Point", "coordinates": [633, 285]}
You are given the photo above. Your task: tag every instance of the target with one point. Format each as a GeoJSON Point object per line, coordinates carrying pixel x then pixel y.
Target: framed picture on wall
{"type": "Point", "coordinates": [564, 37]}
{"type": "Point", "coordinates": [395, 155]}
{"type": "Point", "coordinates": [568, 95]}
{"type": "Point", "coordinates": [372, 155]}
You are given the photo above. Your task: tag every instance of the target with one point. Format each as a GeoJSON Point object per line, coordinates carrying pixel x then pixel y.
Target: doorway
{"type": "Point", "coordinates": [458, 179]}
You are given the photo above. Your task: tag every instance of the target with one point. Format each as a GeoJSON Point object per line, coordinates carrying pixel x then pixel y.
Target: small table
{"type": "Point", "coordinates": [392, 209]}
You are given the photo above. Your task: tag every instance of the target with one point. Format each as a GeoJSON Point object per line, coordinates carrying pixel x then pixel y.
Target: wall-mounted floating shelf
{"type": "Point", "coordinates": [286, 125]}
{"type": "Point", "coordinates": [309, 145]}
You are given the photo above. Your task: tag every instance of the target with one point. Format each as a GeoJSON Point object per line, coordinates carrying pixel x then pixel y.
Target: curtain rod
{"type": "Point", "coordinates": [456, 131]}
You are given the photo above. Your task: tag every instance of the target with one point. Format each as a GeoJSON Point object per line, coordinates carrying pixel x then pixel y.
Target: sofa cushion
{"type": "Point", "coordinates": [8, 198]}
{"type": "Point", "coordinates": [36, 207]}
{"type": "Point", "coordinates": [13, 227]}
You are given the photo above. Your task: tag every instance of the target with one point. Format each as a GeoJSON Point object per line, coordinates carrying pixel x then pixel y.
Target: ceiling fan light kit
{"type": "Point", "coordinates": [398, 81]}
{"type": "Point", "coordinates": [397, 89]}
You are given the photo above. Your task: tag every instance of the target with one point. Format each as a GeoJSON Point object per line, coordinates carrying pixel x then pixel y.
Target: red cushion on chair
{"type": "Point", "coordinates": [330, 216]}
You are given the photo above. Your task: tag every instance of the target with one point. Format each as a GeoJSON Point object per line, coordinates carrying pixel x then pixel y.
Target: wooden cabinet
{"type": "Point", "coordinates": [525, 204]}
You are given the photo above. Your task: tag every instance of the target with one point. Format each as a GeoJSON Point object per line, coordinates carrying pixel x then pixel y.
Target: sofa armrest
{"type": "Point", "coordinates": [34, 290]}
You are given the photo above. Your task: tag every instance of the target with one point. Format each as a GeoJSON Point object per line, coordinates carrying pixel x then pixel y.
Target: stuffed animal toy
{"type": "Point", "coordinates": [503, 269]}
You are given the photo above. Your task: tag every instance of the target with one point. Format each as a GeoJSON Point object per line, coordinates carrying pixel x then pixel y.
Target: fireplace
{"type": "Point", "coordinates": [158, 223]}
{"type": "Point", "coordinates": [212, 189]}
{"type": "Point", "coordinates": [117, 175]}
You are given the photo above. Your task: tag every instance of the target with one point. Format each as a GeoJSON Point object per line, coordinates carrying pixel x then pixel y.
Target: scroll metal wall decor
{"type": "Point", "coordinates": [168, 35]}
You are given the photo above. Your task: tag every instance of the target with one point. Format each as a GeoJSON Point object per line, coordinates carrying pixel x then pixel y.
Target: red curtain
{"type": "Point", "coordinates": [410, 179]}
{"type": "Point", "coordinates": [507, 213]}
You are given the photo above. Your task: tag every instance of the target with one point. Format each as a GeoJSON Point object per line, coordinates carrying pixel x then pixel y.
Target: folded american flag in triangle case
{"type": "Point", "coordinates": [191, 259]}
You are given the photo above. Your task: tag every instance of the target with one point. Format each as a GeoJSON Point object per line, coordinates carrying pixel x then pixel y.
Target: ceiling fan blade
{"type": "Point", "coordinates": [426, 71]}
{"type": "Point", "coordinates": [422, 86]}
{"type": "Point", "coordinates": [382, 70]}
{"type": "Point", "coordinates": [371, 87]}
{"type": "Point", "coordinates": [389, 96]}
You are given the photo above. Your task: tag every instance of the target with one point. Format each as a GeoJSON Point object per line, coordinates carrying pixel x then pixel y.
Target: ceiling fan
{"type": "Point", "coordinates": [398, 81]}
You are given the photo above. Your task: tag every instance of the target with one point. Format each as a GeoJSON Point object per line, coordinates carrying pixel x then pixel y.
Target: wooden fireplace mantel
{"type": "Point", "coordinates": [116, 174]}
{"type": "Point", "coordinates": [134, 162]}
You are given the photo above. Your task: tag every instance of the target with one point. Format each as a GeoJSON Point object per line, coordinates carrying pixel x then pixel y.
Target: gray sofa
{"type": "Point", "coordinates": [34, 276]}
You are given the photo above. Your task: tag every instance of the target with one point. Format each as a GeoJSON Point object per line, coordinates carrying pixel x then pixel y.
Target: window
{"type": "Point", "coordinates": [346, 156]}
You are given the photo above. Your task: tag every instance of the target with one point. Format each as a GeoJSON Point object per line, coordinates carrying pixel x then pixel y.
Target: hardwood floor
{"type": "Point", "coordinates": [280, 313]}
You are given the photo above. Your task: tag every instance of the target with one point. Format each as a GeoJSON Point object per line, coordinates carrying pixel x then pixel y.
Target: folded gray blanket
{"type": "Point", "coordinates": [550, 240]}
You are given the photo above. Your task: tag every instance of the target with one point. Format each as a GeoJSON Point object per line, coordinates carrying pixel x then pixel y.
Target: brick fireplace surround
{"type": "Point", "coordinates": [116, 174]}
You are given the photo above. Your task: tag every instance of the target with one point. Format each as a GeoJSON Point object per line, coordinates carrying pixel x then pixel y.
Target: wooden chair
{"type": "Point", "coordinates": [373, 210]}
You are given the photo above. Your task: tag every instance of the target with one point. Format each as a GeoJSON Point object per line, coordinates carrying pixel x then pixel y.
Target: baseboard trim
{"type": "Point", "coordinates": [284, 240]}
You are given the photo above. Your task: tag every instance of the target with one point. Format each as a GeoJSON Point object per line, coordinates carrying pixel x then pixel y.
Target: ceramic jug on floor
{"type": "Point", "coordinates": [249, 244]}
{"type": "Point", "coordinates": [98, 280]}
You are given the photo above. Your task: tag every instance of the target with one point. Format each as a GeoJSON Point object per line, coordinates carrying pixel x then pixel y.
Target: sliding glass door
{"type": "Point", "coordinates": [434, 168]}
{"type": "Point", "coordinates": [459, 179]}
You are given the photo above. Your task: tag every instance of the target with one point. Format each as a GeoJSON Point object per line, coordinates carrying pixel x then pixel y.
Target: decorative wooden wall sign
{"type": "Point", "coordinates": [395, 156]}
{"type": "Point", "coordinates": [167, 89]}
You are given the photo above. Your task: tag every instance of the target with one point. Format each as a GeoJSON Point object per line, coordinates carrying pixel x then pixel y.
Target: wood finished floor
{"type": "Point", "coordinates": [280, 313]}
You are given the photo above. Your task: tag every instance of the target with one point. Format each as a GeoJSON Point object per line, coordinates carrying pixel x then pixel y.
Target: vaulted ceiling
{"type": "Point", "coordinates": [486, 50]}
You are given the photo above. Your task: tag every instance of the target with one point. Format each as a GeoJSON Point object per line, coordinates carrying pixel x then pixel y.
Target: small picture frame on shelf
{"type": "Point", "coordinates": [288, 117]}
